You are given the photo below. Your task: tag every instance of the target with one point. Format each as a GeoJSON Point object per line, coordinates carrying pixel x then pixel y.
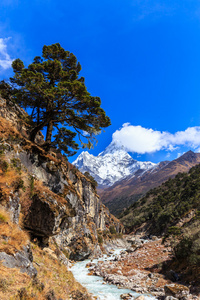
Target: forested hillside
{"type": "Point", "coordinates": [165, 205]}
{"type": "Point", "coordinates": [173, 211]}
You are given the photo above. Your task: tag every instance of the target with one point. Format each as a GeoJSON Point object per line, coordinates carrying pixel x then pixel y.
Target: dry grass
{"type": "Point", "coordinates": [7, 129]}
{"type": "Point", "coordinates": [7, 180]}
{"type": "Point", "coordinates": [11, 280]}
{"type": "Point", "coordinates": [52, 274]}
{"type": "Point", "coordinates": [12, 239]}
{"type": "Point", "coordinates": [11, 181]}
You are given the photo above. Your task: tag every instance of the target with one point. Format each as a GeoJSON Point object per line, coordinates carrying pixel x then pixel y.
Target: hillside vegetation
{"type": "Point", "coordinates": [173, 211]}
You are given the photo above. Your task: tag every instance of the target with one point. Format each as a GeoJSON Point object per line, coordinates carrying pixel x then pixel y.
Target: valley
{"type": "Point", "coordinates": [100, 150]}
{"type": "Point", "coordinates": [131, 179]}
{"type": "Point", "coordinates": [51, 215]}
{"type": "Point", "coordinates": [162, 201]}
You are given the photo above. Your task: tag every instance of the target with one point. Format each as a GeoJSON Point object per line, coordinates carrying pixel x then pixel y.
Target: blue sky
{"type": "Point", "coordinates": [141, 57]}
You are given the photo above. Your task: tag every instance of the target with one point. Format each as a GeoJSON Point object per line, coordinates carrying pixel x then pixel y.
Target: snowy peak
{"type": "Point", "coordinates": [114, 148]}
{"type": "Point", "coordinates": [111, 165]}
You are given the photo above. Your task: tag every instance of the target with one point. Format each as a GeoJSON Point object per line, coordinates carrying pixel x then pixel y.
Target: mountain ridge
{"type": "Point", "coordinates": [111, 165]}
{"type": "Point", "coordinates": [123, 193]}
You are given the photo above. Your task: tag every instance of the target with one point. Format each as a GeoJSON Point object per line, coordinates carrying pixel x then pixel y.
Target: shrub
{"type": "Point", "coordinates": [4, 284]}
{"type": "Point", "coordinates": [174, 230]}
{"type": "Point", "coordinates": [188, 247]}
{"type": "Point", "coordinates": [3, 216]}
{"type": "Point", "coordinates": [4, 166]}
{"type": "Point", "coordinates": [19, 184]}
{"type": "Point", "coordinates": [91, 178]}
{"type": "Point", "coordinates": [100, 239]}
{"type": "Point", "coordinates": [182, 249]}
{"type": "Point", "coordinates": [16, 163]}
{"type": "Point", "coordinates": [31, 185]}
{"type": "Point", "coordinates": [112, 229]}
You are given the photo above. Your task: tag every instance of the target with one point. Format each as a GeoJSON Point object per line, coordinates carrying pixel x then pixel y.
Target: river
{"type": "Point", "coordinates": [97, 286]}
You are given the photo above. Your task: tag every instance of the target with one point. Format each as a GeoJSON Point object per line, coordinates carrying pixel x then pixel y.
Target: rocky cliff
{"type": "Point", "coordinates": [54, 199]}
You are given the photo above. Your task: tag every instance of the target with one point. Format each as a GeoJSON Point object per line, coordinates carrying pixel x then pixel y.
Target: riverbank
{"type": "Point", "coordinates": [96, 284]}
{"type": "Point", "coordinates": [139, 268]}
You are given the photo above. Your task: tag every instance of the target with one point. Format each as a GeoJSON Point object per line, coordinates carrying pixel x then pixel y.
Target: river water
{"type": "Point", "coordinates": [97, 286]}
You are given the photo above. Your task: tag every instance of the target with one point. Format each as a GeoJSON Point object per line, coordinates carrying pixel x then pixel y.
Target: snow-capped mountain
{"type": "Point", "coordinates": [111, 165]}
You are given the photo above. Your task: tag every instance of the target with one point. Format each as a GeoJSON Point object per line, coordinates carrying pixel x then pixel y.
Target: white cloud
{"type": "Point", "coordinates": [5, 59]}
{"type": "Point", "coordinates": [143, 140]}
{"type": "Point", "coordinates": [197, 150]}
{"type": "Point", "coordinates": [179, 154]}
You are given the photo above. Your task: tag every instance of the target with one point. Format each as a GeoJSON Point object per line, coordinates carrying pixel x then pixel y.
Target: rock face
{"type": "Point", "coordinates": [62, 203]}
{"type": "Point", "coordinates": [22, 259]}
{"type": "Point", "coordinates": [71, 213]}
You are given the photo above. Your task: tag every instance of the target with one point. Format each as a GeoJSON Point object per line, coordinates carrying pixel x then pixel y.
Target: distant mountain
{"type": "Point", "coordinates": [125, 192]}
{"type": "Point", "coordinates": [111, 165]}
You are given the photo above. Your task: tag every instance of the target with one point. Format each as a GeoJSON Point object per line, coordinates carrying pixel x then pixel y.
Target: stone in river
{"type": "Point", "coordinates": [126, 296]}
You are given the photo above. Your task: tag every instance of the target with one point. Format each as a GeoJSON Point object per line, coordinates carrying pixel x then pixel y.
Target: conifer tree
{"type": "Point", "coordinates": [58, 98]}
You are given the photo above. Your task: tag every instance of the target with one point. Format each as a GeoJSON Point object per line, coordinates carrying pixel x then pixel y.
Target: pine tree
{"type": "Point", "coordinates": [58, 98]}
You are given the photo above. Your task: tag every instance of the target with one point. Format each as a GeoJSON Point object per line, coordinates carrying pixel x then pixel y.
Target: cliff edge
{"type": "Point", "coordinates": [46, 197]}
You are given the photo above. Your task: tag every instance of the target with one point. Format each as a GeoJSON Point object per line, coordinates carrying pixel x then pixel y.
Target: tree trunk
{"type": "Point", "coordinates": [49, 132]}
{"type": "Point", "coordinates": [35, 130]}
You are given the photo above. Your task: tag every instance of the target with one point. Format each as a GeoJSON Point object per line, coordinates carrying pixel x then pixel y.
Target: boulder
{"type": "Point", "coordinates": [173, 276]}
{"type": "Point", "coordinates": [177, 291]}
{"type": "Point", "coordinates": [140, 298]}
{"type": "Point", "coordinates": [21, 259]}
{"type": "Point", "coordinates": [126, 296]}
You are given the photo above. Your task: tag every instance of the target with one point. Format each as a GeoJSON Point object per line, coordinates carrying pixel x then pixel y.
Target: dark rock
{"type": "Point", "coordinates": [22, 293]}
{"type": "Point", "coordinates": [50, 295]}
{"type": "Point", "coordinates": [44, 217]}
{"type": "Point", "coordinates": [38, 284]}
{"type": "Point", "coordinates": [126, 296]}
{"type": "Point", "coordinates": [173, 276]}
{"type": "Point", "coordinates": [150, 275]}
{"type": "Point", "coordinates": [78, 295]}
{"type": "Point", "coordinates": [131, 250]}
